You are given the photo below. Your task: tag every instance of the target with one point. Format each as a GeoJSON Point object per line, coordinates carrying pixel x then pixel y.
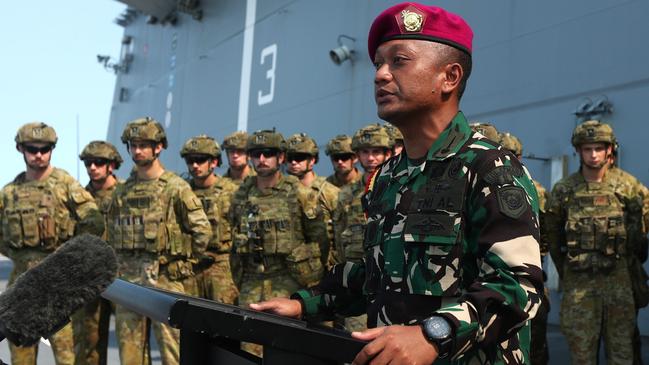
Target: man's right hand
{"type": "Point", "coordinates": [281, 306]}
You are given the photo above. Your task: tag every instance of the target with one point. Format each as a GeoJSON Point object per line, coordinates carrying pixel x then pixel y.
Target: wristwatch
{"type": "Point", "coordinates": [438, 330]}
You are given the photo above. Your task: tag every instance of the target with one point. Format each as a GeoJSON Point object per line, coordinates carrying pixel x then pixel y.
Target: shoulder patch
{"type": "Point", "coordinates": [512, 201]}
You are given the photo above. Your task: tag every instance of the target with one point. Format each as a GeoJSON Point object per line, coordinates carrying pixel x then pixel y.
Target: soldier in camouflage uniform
{"type": "Point", "coordinates": [235, 149]}
{"type": "Point", "coordinates": [276, 230]}
{"type": "Point", "coordinates": [396, 137]}
{"type": "Point", "coordinates": [592, 217]}
{"type": "Point", "coordinates": [159, 230]}
{"type": "Point", "coordinates": [202, 155]}
{"type": "Point", "coordinates": [372, 144]}
{"type": "Point", "coordinates": [301, 154]}
{"type": "Point", "coordinates": [40, 210]}
{"type": "Point", "coordinates": [451, 267]}
{"type": "Point", "coordinates": [343, 160]}
{"type": "Point", "coordinates": [539, 354]}
{"type": "Point", "coordinates": [91, 324]}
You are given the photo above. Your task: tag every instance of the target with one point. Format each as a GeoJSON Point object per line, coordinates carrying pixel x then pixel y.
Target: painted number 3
{"type": "Point", "coordinates": [270, 74]}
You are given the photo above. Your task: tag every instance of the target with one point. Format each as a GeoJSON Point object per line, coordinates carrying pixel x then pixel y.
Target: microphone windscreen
{"type": "Point", "coordinates": [42, 299]}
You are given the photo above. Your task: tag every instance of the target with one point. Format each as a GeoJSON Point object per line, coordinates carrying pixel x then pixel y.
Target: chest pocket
{"type": "Point", "coordinates": [138, 224]}
{"type": "Point", "coordinates": [420, 241]}
{"type": "Point", "coordinates": [352, 235]}
{"type": "Point", "coordinates": [212, 212]}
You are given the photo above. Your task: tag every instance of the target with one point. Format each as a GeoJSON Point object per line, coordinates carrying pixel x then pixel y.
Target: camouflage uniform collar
{"type": "Point", "coordinates": [446, 146]}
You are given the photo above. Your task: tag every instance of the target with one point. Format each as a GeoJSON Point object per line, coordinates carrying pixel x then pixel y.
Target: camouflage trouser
{"type": "Point", "coordinates": [216, 283]}
{"type": "Point", "coordinates": [132, 329]}
{"type": "Point", "coordinates": [91, 325]}
{"type": "Point", "coordinates": [598, 305]}
{"type": "Point", "coordinates": [255, 288]}
{"type": "Point", "coordinates": [62, 341]}
{"type": "Point", "coordinates": [538, 327]}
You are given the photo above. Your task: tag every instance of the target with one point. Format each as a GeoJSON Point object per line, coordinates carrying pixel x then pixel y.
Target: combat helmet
{"type": "Point", "coordinates": [486, 129]}
{"type": "Point", "coordinates": [235, 141]}
{"type": "Point", "coordinates": [302, 143]}
{"type": "Point", "coordinates": [37, 132]}
{"type": "Point", "coordinates": [340, 144]}
{"type": "Point", "coordinates": [266, 138]}
{"type": "Point", "coordinates": [512, 143]}
{"type": "Point", "coordinates": [394, 133]}
{"type": "Point", "coordinates": [201, 145]}
{"type": "Point", "coordinates": [593, 131]}
{"type": "Point", "coordinates": [146, 129]}
{"type": "Point", "coordinates": [370, 136]}
{"type": "Point", "coordinates": [103, 150]}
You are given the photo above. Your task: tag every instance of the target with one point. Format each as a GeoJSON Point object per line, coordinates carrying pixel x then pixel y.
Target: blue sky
{"type": "Point", "coordinates": [50, 73]}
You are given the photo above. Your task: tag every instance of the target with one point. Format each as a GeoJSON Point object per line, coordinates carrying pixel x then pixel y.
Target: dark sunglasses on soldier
{"type": "Point", "coordinates": [268, 152]}
{"type": "Point", "coordinates": [297, 157]}
{"type": "Point", "coordinates": [98, 162]}
{"type": "Point", "coordinates": [342, 157]}
{"type": "Point", "coordinates": [34, 150]}
{"type": "Point", "coordinates": [190, 160]}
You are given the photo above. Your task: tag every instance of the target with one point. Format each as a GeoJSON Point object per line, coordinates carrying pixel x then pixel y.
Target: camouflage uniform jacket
{"type": "Point", "coordinates": [237, 182]}
{"type": "Point", "coordinates": [42, 215]}
{"type": "Point", "coordinates": [350, 221]}
{"type": "Point", "coordinates": [276, 227]}
{"type": "Point", "coordinates": [333, 179]}
{"type": "Point", "coordinates": [103, 199]}
{"type": "Point", "coordinates": [216, 203]}
{"type": "Point", "coordinates": [562, 202]}
{"type": "Point", "coordinates": [326, 196]}
{"type": "Point", "coordinates": [457, 236]}
{"type": "Point", "coordinates": [160, 216]}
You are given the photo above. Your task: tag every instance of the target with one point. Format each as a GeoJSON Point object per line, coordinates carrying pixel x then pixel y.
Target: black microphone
{"type": "Point", "coordinates": [42, 299]}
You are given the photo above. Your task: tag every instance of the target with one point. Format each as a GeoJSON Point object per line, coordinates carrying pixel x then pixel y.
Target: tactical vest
{"type": "Point", "coordinates": [353, 227]}
{"type": "Point", "coordinates": [142, 217]}
{"type": "Point", "coordinates": [428, 256]}
{"type": "Point", "coordinates": [211, 199]}
{"type": "Point", "coordinates": [103, 200]}
{"type": "Point", "coordinates": [268, 223]}
{"type": "Point", "coordinates": [35, 214]}
{"type": "Point", "coordinates": [595, 227]}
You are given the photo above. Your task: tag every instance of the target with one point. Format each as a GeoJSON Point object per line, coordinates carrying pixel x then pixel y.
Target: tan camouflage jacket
{"type": "Point", "coordinates": [326, 195]}
{"type": "Point", "coordinates": [103, 199]}
{"type": "Point", "coordinates": [333, 179]}
{"type": "Point", "coordinates": [42, 215]}
{"type": "Point", "coordinates": [160, 216]}
{"type": "Point", "coordinates": [216, 204]}
{"type": "Point", "coordinates": [350, 222]}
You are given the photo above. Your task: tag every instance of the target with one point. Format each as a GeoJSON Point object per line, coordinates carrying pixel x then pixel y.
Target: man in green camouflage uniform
{"type": "Point", "coordinates": [539, 354]}
{"type": "Point", "coordinates": [592, 218]}
{"type": "Point", "coordinates": [372, 144]}
{"type": "Point", "coordinates": [452, 232]}
{"type": "Point", "coordinates": [40, 210]}
{"type": "Point", "coordinates": [343, 159]}
{"type": "Point", "coordinates": [235, 149]}
{"type": "Point", "coordinates": [396, 137]}
{"type": "Point", "coordinates": [277, 232]}
{"type": "Point", "coordinates": [159, 230]}
{"type": "Point", "coordinates": [91, 324]}
{"type": "Point", "coordinates": [202, 155]}
{"type": "Point", "coordinates": [301, 155]}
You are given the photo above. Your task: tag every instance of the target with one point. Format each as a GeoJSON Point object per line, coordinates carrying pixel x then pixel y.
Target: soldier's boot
{"type": "Point", "coordinates": [132, 330]}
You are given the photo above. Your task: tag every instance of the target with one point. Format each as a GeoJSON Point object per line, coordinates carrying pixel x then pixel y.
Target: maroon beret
{"type": "Point", "coordinates": [417, 21]}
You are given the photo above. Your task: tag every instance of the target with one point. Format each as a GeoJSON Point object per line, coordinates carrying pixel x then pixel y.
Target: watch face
{"type": "Point", "coordinates": [437, 328]}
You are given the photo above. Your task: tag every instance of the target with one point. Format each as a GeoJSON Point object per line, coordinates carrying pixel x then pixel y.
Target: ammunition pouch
{"type": "Point", "coordinates": [352, 242]}
{"type": "Point", "coordinates": [305, 265]}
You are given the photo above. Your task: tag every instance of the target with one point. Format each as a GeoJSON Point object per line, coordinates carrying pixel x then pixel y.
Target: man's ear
{"type": "Point", "coordinates": [453, 74]}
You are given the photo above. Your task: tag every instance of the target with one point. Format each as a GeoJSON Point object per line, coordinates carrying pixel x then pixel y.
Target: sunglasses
{"type": "Point", "coordinates": [342, 157]}
{"type": "Point", "coordinates": [190, 160]}
{"type": "Point", "coordinates": [265, 152]}
{"type": "Point", "coordinates": [34, 150]}
{"type": "Point", "coordinates": [100, 162]}
{"type": "Point", "coordinates": [299, 157]}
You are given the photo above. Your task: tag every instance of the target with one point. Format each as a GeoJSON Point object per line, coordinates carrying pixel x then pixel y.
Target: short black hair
{"type": "Point", "coordinates": [449, 54]}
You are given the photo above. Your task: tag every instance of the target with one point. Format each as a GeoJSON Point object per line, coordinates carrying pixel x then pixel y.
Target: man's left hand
{"type": "Point", "coordinates": [395, 345]}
